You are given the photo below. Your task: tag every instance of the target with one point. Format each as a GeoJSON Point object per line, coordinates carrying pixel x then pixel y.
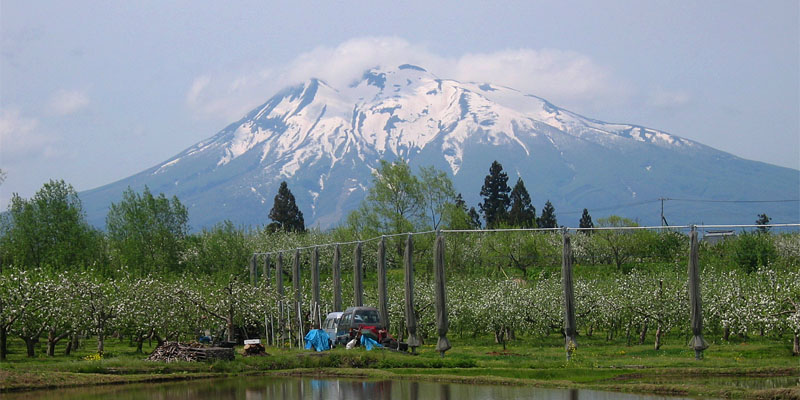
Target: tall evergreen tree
{"type": "Point", "coordinates": [763, 219]}
{"type": "Point", "coordinates": [495, 196]}
{"type": "Point", "coordinates": [548, 218]}
{"type": "Point", "coordinates": [474, 218]}
{"type": "Point", "coordinates": [287, 216]}
{"type": "Point", "coordinates": [522, 213]}
{"type": "Point", "coordinates": [586, 220]}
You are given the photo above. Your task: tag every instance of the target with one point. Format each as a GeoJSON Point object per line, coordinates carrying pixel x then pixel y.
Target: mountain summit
{"type": "Point", "coordinates": [326, 141]}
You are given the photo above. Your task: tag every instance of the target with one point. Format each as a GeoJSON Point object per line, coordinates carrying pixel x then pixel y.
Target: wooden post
{"type": "Point", "coordinates": [411, 319]}
{"type": "Point", "coordinates": [252, 268]}
{"type": "Point", "coordinates": [383, 298]}
{"type": "Point", "coordinates": [267, 273]}
{"type": "Point", "coordinates": [268, 323]}
{"type": "Point", "coordinates": [315, 319]}
{"type": "Point", "coordinates": [296, 285]}
{"type": "Point", "coordinates": [695, 303]}
{"type": "Point", "coordinates": [570, 331]}
{"type": "Point", "coordinates": [337, 280]}
{"type": "Point", "coordinates": [358, 291]}
{"type": "Point", "coordinates": [279, 291]}
{"type": "Point", "coordinates": [442, 321]}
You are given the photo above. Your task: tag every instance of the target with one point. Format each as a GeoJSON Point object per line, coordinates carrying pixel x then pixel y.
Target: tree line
{"type": "Point", "coordinates": [147, 243]}
{"type": "Point", "coordinates": [149, 233]}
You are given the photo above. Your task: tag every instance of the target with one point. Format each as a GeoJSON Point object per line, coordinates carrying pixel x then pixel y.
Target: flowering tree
{"type": "Point", "coordinates": [101, 301]}
{"type": "Point", "coordinates": [18, 295]}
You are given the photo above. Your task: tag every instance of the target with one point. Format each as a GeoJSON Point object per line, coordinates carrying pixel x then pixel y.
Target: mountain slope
{"type": "Point", "coordinates": [326, 141]}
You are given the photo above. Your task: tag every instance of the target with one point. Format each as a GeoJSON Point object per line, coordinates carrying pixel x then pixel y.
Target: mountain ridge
{"type": "Point", "coordinates": [325, 142]}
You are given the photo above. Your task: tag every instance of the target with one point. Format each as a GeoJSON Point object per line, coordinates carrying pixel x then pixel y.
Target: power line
{"type": "Point", "coordinates": [663, 199]}
{"type": "Point", "coordinates": [562, 229]}
{"type": "Point", "coordinates": [735, 201]}
{"type": "Point", "coordinates": [638, 203]}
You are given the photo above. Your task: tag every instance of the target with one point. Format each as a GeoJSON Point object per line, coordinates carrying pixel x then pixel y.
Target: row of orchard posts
{"type": "Point", "coordinates": [288, 313]}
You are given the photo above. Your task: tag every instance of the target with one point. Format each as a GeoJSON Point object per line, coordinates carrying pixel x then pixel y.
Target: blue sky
{"type": "Point", "coordinates": [95, 91]}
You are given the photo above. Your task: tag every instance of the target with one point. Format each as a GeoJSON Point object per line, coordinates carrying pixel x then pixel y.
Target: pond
{"type": "Point", "coordinates": [256, 388]}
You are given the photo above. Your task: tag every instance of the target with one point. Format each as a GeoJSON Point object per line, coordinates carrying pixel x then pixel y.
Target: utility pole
{"type": "Point", "coordinates": [663, 220]}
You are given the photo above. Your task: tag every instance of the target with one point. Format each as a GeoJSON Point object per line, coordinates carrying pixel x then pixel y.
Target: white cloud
{"type": "Point", "coordinates": [566, 78]}
{"type": "Point", "coordinates": [21, 137]}
{"type": "Point", "coordinates": [662, 98]}
{"type": "Point", "coordinates": [199, 84]}
{"type": "Point", "coordinates": [65, 102]}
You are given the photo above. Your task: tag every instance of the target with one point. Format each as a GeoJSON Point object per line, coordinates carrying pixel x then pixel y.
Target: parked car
{"type": "Point", "coordinates": [353, 319]}
{"type": "Point", "coordinates": [330, 324]}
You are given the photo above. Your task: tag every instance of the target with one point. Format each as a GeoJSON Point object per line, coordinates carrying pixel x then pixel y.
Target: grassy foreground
{"type": "Point", "coordinates": [596, 364]}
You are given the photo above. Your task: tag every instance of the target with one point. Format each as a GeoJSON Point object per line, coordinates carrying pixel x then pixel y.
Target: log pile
{"type": "Point", "coordinates": [176, 351]}
{"type": "Point", "coordinates": [256, 349]}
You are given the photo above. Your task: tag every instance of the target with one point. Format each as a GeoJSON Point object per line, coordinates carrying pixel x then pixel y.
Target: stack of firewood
{"type": "Point", "coordinates": [256, 349]}
{"type": "Point", "coordinates": [175, 351]}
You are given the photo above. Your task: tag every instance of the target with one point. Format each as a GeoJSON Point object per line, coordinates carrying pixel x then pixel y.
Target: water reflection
{"type": "Point", "coordinates": [258, 388]}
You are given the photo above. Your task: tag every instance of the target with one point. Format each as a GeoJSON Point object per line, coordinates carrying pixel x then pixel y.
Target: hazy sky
{"type": "Point", "coordinates": [92, 92]}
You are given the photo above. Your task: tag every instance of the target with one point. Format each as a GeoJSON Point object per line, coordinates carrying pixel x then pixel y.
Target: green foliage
{"type": "Point", "coordinates": [221, 250]}
{"type": "Point", "coordinates": [49, 230]}
{"type": "Point", "coordinates": [619, 242]}
{"type": "Point", "coordinates": [286, 215]}
{"type": "Point", "coordinates": [753, 250]}
{"type": "Point", "coordinates": [400, 201]}
{"type": "Point", "coordinates": [147, 233]}
{"type": "Point", "coordinates": [763, 219]}
{"type": "Point", "coordinates": [522, 213]}
{"type": "Point", "coordinates": [586, 220]}
{"type": "Point", "coordinates": [439, 197]}
{"type": "Point", "coordinates": [394, 203]}
{"type": "Point", "coordinates": [458, 216]}
{"type": "Point", "coordinates": [548, 218]}
{"type": "Point", "coordinates": [495, 196]}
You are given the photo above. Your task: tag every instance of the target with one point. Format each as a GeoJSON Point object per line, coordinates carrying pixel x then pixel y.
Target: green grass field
{"type": "Point", "coordinates": [732, 369]}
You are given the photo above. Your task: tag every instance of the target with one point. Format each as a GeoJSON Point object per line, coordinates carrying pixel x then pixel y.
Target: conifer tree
{"type": "Point", "coordinates": [586, 220]}
{"type": "Point", "coordinates": [475, 218]}
{"type": "Point", "coordinates": [287, 216]}
{"type": "Point", "coordinates": [548, 218]}
{"type": "Point", "coordinates": [495, 196]}
{"type": "Point", "coordinates": [763, 219]}
{"type": "Point", "coordinates": [522, 213]}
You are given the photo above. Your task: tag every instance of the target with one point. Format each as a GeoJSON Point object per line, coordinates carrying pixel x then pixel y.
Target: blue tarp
{"type": "Point", "coordinates": [369, 343]}
{"type": "Point", "coordinates": [319, 339]}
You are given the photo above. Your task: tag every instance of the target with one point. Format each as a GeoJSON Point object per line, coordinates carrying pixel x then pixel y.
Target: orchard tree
{"type": "Point", "coordinates": [620, 242]}
{"type": "Point", "coordinates": [63, 316]}
{"type": "Point", "coordinates": [522, 213]}
{"type": "Point", "coordinates": [19, 293]}
{"type": "Point", "coordinates": [495, 196]}
{"type": "Point", "coordinates": [286, 215]}
{"type": "Point", "coordinates": [548, 218]}
{"type": "Point", "coordinates": [147, 233]}
{"type": "Point", "coordinates": [102, 302]}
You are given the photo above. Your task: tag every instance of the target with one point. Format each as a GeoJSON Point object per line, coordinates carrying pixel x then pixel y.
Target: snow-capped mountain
{"type": "Point", "coordinates": [326, 141]}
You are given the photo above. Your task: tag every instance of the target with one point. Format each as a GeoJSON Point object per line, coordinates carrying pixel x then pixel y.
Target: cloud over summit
{"type": "Point", "coordinates": [565, 77]}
